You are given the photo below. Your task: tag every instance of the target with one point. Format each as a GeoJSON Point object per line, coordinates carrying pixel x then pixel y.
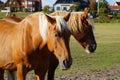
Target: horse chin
{"type": "Point", "coordinates": [86, 50]}
{"type": "Point", "coordinates": [64, 65]}
{"type": "Point", "coordinates": [89, 50]}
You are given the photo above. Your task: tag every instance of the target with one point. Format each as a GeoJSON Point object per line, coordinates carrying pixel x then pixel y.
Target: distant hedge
{"type": "Point", "coordinates": [19, 14]}
{"type": "Point", "coordinates": [104, 18]}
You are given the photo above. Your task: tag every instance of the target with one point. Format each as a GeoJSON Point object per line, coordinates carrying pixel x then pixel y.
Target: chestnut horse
{"type": "Point", "coordinates": [82, 30]}
{"type": "Point", "coordinates": [22, 43]}
{"type": "Point", "coordinates": [82, 26]}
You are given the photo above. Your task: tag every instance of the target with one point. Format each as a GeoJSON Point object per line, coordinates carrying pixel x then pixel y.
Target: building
{"type": "Point", "coordinates": [1, 3]}
{"type": "Point", "coordinates": [61, 5]}
{"type": "Point", "coordinates": [32, 5]}
{"type": "Point", "coordinates": [115, 6]}
{"type": "Point", "coordinates": [29, 5]}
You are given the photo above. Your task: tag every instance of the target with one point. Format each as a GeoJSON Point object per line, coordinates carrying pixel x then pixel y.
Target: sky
{"type": "Point", "coordinates": [51, 2]}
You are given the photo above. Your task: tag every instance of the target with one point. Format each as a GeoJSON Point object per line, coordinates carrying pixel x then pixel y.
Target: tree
{"type": "Point", "coordinates": [46, 9]}
{"type": "Point", "coordinates": [1, 6]}
{"type": "Point", "coordinates": [103, 6]}
{"type": "Point", "coordinates": [93, 7]}
{"type": "Point", "coordinates": [75, 6]}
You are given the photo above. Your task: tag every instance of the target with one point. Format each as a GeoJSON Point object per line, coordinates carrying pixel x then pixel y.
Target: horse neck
{"type": "Point", "coordinates": [30, 24]}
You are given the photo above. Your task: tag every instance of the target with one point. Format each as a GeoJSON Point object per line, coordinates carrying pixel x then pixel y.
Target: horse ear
{"type": "Point", "coordinates": [86, 11]}
{"type": "Point", "coordinates": [50, 19]}
{"type": "Point", "coordinates": [67, 16]}
{"type": "Point", "coordinates": [54, 13]}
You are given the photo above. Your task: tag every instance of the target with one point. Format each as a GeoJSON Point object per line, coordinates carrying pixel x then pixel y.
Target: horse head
{"type": "Point", "coordinates": [81, 26]}
{"type": "Point", "coordinates": [85, 35]}
{"type": "Point", "coordinates": [58, 39]}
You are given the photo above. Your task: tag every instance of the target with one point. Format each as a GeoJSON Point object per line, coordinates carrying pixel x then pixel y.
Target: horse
{"type": "Point", "coordinates": [23, 42]}
{"type": "Point", "coordinates": [13, 19]}
{"type": "Point", "coordinates": [82, 26]}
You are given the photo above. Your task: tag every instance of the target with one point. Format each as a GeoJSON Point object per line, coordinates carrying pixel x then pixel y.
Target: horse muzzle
{"type": "Point", "coordinates": [91, 48]}
{"type": "Point", "coordinates": [65, 64]}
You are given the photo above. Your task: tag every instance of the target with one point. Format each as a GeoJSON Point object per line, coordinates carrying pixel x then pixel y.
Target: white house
{"type": "Point", "coordinates": [115, 6]}
{"type": "Point", "coordinates": [62, 7]}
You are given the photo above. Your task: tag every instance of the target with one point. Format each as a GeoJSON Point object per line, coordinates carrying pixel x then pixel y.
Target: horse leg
{"type": "Point", "coordinates": [11, 75]}
{"type": "Point", "coordinates": [52, 66]}
{"type": "Point", "coordinates": [1, 74]}
{"type": "Point", "coordinates": [40, 73]}
{"type": "Point", "coordinates": [20, 74]}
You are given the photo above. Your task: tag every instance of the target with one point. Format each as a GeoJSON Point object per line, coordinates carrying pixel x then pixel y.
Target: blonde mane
{"type": "Point", "coordinates": [75, 20]}
{"type": "Point", "coordinates": [60, 22]}
{"type": "Point", "coordinates": [43, 26]}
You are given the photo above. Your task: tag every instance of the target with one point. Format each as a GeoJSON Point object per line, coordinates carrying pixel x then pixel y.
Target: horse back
{"type": "Point", "coordinates": [14, 42]}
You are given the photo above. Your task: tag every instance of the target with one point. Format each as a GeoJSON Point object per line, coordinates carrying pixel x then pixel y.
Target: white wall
{"type": "Point", "coordinates": [62, 7]}
{"type": "Point", "coordinates": [115, 4]}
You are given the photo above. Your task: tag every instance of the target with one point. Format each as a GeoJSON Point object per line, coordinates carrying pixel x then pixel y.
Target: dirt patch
{"type": "Point", "coordinates": [106, 74]}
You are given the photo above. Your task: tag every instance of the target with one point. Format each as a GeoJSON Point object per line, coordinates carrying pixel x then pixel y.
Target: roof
{"type": "Point", "coordinates": [115, 6]}
{"type": "Point", "coordinates": [118, 3]}
{"type": "Point", "coordinates": [64, 1]}
{"type": "Point", "coordinates": [70, 1]}
{"type": "Point", "coordinates": [1, 2]}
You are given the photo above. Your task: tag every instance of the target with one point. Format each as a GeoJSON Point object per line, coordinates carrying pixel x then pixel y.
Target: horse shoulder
{"type": "Point", "coordinates": [33, 22]}
{"type": "Point", "coordinates": [6, 37]}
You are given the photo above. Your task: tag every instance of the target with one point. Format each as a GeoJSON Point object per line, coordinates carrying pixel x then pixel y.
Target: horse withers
{"type": "Point", "coordinates": [21, 41]}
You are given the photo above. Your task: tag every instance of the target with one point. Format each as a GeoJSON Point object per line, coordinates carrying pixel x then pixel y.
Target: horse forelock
{"type": "Point", "coordinates": [43, 26]}
{"type": "Point", "coordinates": [62, 24]}
{"type": "Point", "coordinates": [75, 21]}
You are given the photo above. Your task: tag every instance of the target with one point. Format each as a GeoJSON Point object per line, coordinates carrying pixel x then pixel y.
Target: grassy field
{"type": "Point", "coordinates": [107, 54]}
{"type": "Point", "coordinates": [20, 14]}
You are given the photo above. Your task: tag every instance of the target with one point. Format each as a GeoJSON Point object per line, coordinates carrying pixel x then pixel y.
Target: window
{"type": "Point", "coordinates": [64, 8]}
{"type": "Point", "coordinates": [58, 8]}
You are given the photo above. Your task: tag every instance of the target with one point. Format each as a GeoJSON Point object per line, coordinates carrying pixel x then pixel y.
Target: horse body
{"type": "Point", "coordinates": [16, 43]}
{"type": "Point", "coordinates": [22, 42]}
{"type": "Point", "coordinates": [81, 25]}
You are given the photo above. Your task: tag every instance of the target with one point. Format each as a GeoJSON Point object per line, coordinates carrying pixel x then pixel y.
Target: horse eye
{"type": "Point", "coordinates": [56, 34]}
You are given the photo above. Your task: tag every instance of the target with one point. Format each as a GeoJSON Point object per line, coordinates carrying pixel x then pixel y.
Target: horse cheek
{"type": "Point", "coordinates": [50, 45]}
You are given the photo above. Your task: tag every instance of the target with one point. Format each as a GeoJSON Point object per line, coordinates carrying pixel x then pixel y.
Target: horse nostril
{"type": "Point", "coordinates": [67, 63]}
{"type": "Point", "coordinates": [92, 47]}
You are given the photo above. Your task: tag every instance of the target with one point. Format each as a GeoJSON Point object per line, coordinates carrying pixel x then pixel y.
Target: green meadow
{"type": "Point", "coordinates": [107, 54]}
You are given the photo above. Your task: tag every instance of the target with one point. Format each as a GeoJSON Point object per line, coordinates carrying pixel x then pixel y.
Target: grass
{"type": "Point", "coordinates": [20, 14]}
{"type": "Point", "coordinates": [107, 54]}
